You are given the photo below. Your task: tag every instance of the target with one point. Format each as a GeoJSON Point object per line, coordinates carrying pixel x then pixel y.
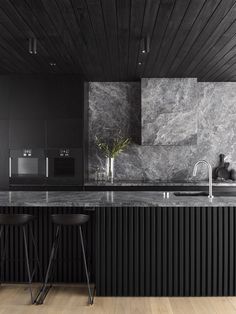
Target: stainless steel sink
{"type": "Point", "coordinates": [200, 193]}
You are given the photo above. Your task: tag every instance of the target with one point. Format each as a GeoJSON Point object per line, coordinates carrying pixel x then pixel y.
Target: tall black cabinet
{"type": "Point", "coordinates": [43, 112]}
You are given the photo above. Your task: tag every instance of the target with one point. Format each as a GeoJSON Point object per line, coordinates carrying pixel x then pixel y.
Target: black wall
{"type": "Point", "coordinates": [39, 112]}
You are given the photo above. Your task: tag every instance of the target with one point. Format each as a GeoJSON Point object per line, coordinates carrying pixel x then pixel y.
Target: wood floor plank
{"type": "Point", "coordinates": [14, 299]}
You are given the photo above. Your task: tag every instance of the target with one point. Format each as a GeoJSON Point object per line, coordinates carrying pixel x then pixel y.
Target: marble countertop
{"type": "Point", "coordinates": [160, 183]}
{"type": "Point", "coordinates": [109, 199]}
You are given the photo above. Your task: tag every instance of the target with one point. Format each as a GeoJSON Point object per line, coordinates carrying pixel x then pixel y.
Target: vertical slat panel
{"type": "Point", "coordinates": [164, 252]}
{"type": "Point", "coordinates": [187, 251]}
{"type": "Point", "coordinates": [215, 256]}
{"type": "Point", "coordinates": [231, 273]}
{"type": "Point", "coordinates": [220, 251]}
{"type": "Point", "coordinates": [130, 263]}
{"type": "Point", "coordinates": [192, 252]}
{"type": "Point", "coordinates": [210, 213]}
{"type": "Point", "coordinates": [226, 230]}
{"type": "Point", "coordinates": [125, 252]}
{"type": "Point", "coordinates": [176, 251]}
{"type": "Point", "coordinates": [203, 232]}
{"type": "Point", "coordinates": [158, 250]}
{"type": "Point", "coordinates": [198, 252]}
{"type": "Point", "coordinates": [141, 252]}
{"type": "Point", "coordinates": [147, 232]}
{"type": "Point", "coordinates": [181, 251]}
{"type": "Point", "coordinates": [136, 252]}
{"type": "Point", "coordinates": [170, 251]}
{"type": "Point", "coordinates": [153, 253]}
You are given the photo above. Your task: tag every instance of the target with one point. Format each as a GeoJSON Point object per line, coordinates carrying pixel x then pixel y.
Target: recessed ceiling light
{"type": "Point", "coordinates": [52, 64]}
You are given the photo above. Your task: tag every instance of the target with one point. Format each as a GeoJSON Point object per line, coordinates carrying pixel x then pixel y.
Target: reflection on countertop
{"type": "Point", "coordinates": [160, 183]}
{"type": "Point", "coordinates": [95, 199]}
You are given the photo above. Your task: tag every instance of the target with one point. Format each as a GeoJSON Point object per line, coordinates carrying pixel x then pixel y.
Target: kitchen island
{"type": "Point", "coordinates": [139, 243]}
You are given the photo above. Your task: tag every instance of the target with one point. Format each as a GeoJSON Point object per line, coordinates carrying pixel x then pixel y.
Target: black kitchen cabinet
{"type": "Point", "coordinates": [4, 97]}
{"type": "Point", "coordinates": [65, 97]}
{"type": "Point", "coordinates": [4, 157]}
{"type": "Point", "coordinates": [63, 133]}
{"type": "Point", "coordinates": [27, 134]}
{"type": "Point", "coordinates": [28, 97]}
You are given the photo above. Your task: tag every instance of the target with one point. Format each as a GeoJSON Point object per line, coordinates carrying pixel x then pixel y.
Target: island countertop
{"type": "Point", "coordinates": [109, 199]}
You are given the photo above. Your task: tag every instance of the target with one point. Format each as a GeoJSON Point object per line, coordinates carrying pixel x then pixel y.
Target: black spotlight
{"type": "Point", "coordinates": [145, 44]}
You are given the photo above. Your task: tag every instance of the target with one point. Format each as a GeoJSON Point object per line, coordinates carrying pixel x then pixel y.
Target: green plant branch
{"type": "Point", "coordinates": [114, 148]}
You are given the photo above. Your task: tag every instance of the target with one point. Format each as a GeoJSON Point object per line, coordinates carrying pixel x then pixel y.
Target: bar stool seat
{"type": "Point", "coordinates": [21, 221]}
{"type": "Point", "coordinates": [64, 220]}
{"type": "Point", "coordinates": [15, 219]}
{"type": "Point", "coordinates": [70, 219]}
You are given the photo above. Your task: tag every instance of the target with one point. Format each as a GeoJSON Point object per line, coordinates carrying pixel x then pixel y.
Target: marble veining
{"type": "Point", "coordinates": [169, 111]}
{"type": "Point", "coordinates": [115, 108]}
{"type": "Point", "coordinates": [91, 200]}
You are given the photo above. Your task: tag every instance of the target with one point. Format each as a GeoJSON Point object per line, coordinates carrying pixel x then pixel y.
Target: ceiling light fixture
{"type": "Point", "coordinates": [33, 46]}
{"type": "Point", "coordinates": [140, 63]}
{"type": "Point", "coordinates": [145, 44]}
{"type": "Point", "coordinates": [52, 64]}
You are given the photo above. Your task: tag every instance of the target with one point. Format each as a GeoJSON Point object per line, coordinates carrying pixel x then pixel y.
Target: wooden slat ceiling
{"type": "Point", "coordinates": [101, 39]}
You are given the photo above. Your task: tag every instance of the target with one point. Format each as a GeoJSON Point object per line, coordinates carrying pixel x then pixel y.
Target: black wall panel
{"type": "Point", "coordinates": [4, 161]}
{"type": "Point", "coordinates": [65, 133]}
{"type": "Point", "coordinates": [4, 97]}
{"type": "Point", "coordinates": [175, 251]}
{"type": "Point", "coordinates": [64, 97]}
{"type": "Point", "coordinates": [28, 97]}
{"type": "Point", "coordinates": [27, 134]}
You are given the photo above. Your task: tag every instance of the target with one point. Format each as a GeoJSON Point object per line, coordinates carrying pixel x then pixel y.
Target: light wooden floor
{"type": "Point", "coordinates": [67, 300]}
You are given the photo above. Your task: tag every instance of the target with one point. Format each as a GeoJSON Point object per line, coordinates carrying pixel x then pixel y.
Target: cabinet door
{"type": "Point", "coordinates": [4, 154]}
{"type": "Point", "coordinates": [28, 98]}
{"type": "Point", "coordinates": [65, 98]}
{"type": "Point", "coordinates": [4, 97]}
{"type": "Point", "coordinates": [27, 133]}
{"type": "Point", "coordinates": [64, 133]}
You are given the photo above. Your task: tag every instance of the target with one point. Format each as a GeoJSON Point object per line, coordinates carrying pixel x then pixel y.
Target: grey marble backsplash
{"type": "Point", "coordinates": [207, 128]}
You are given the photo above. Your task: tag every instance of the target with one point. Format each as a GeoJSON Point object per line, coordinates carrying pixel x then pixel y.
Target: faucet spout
{"type": "Point", "coordinates": [209, 173]}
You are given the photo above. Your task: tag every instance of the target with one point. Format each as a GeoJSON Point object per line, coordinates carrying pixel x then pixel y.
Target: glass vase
{"type": "Point", "coordinates": [110, 169]}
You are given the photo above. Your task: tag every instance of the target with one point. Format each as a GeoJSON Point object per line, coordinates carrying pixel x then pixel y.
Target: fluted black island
{"type": "Point", "coordinates": [139, 243]}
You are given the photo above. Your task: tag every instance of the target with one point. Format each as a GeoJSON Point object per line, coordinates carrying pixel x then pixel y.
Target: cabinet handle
{"type": "Point", "coordinates": [46, 167]}
{"type": "Point", "coordinates": [9, 167]}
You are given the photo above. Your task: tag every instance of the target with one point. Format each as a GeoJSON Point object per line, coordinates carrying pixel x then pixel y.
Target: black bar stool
{"type": "Point", "coordinates": [20, 220]}
{"type": "Point", "coordinates": [64, 220]}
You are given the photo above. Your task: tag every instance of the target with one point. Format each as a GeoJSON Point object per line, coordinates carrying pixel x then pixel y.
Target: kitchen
{"type": "Point", "coordinates": [118, 156]}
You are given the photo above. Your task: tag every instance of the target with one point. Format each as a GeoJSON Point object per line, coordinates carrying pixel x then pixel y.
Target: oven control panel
{"type": "Point", "coordinates": [64, 152]}
{"type": "Point", "coordinates": [27, 152]}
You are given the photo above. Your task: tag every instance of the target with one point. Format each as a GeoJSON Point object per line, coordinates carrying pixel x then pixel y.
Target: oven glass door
{"type": "Point", "coordinates": [64, 167]}
{"type": "Point", "coordinates": [27, 166]}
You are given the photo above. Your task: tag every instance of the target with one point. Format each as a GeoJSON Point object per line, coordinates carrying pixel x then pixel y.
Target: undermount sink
{"type": "Point", "coordinates": [223, 194]}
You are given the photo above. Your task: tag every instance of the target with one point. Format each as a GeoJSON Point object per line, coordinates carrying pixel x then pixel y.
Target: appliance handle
{"type": "Point", "coordinates": [9, 167]}
{"type": "Point", "coordinates": [46, 167]}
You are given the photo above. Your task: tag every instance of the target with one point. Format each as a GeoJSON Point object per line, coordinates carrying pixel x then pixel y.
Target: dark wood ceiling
{"type": "Point", "coordinates": [101, 39]}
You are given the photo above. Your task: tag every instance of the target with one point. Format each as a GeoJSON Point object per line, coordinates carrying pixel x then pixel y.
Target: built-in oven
{"type": "Point", "coordinates": [27, 167]}
{"type": "Point", "coordinates": [64, 167]}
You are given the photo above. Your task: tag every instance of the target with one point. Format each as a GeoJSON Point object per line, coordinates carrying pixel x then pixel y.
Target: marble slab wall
{"type": "Point", "coordinates": [116, 108]}
{"type": "Point", "coordinates": [169, 109]}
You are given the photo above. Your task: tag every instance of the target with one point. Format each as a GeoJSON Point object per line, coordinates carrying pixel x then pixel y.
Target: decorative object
{"type": "Point", "coordinates": [111, 149]}
{"type": "Point", "coordinates": [222, 172]}
{"type": "Point", "coordinates": [110, 169]}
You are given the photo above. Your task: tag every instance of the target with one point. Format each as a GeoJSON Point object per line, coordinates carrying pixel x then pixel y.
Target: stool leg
{"type": "Point", "coordinates": [51, 263]}
{"type": "Point", "coordinates": [27, 264]}
{"type": "Point", "coordinates": [36, 254]}
{"type": "Point", "coordinates": [85, 266]}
